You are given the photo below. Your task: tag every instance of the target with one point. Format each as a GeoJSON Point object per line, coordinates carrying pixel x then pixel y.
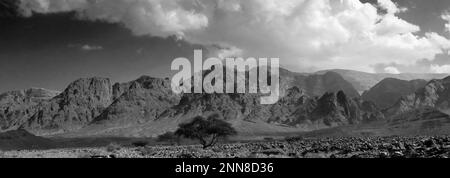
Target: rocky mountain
{"type": "Point", "coordinates": [142, 100]}
{"type": "Point", "coordinates": [435, 94]}
{"type": "Point", "coordinates": [17, 106]}
{"type": "Point", "coordinates": [147, 107]}
{"type": "Point", "coordinates": [81, 102]}
{"type": "Point", "coordinates": [294, 111]}
{"type": "Point", "coordinates": [363, 81]}
{"type": "Point", "coordinates": [317, 84]}
{"type": "Point", "coordinates": [390, 90]}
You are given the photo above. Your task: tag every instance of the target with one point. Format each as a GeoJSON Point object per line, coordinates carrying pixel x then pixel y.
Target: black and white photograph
{"type": "Point", "coordinates": [245, 79]}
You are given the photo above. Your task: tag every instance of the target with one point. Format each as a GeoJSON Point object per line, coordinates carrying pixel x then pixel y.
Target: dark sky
{"type": "Point", "coordinates": [50, 51]}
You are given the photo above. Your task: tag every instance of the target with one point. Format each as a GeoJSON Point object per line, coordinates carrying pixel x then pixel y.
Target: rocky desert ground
{"type": "Point", "coordinates": [344, 147]}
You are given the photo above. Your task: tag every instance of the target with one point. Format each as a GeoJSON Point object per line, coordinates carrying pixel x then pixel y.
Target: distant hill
{"type": "Point", "coordinates": [317, 84]}
{"type": "Point", "coordinates": [363, 81]}
{"type": "Point", "coordinates": [390, 90]}
{"type": "Point", "coordinates": [22, 139]}
{"type": "Point", "coordinates": [435, 94]}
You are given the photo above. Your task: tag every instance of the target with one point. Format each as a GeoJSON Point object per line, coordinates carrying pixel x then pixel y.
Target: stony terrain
{"type": "Point", "coordinates": [344, 147]}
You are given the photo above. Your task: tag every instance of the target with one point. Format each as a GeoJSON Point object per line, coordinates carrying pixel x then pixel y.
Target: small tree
{"type": "Point", "coordinates": [206, 130]}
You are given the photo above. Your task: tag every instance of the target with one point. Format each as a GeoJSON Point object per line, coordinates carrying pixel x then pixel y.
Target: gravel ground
{"type": "Point", "coordinates": [374, 147]}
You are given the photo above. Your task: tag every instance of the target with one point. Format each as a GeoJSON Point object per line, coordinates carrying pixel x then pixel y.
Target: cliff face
{"type": "Point", "coordinates": [144, 99]}
{"type": "Point", "coordinates": [78, 105]}
{"type": "Point", "coordinates": [17, 106]}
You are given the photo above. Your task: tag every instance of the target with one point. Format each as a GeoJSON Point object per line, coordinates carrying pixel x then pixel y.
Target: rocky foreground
{"type": "Point", "coordinates": [376, 147]}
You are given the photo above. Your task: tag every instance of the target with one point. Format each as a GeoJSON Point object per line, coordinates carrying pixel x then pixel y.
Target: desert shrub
{"type": "Point", "coordinates": [140, 143]}
{"type": "Point", "coordinates": [113, 147]}
{"type": "Point", "coordinates": [206, 130]}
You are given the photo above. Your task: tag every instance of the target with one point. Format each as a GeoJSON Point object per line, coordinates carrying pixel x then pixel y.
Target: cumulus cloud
{"type": "Point", "coordinates": [304, 34]}
{"type": "Point", "coordinates": [446, 17]}
{"type": "Point", "coordinates": [86, 47]}
{"type": "Point", "coordinates": [91, 48]}
{"type": "Point", "coordinates": [390, 6]}
{"type": "Point", "coordinates": [391, 70]}
{"type": "Point", "coordinates": [440, 69]}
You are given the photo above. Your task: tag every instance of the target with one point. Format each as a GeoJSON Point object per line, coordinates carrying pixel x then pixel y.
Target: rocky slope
{"type": "Point", "coordinates": [317, 84]}
{"type": "Point", "coordinates": [17, 106]}
{"type": "Point", "coordinates": [390, 90]}
{"type": "Point", "coordinates": [435, 94]}
{"type": "Point", "coordinates": [81, 102]}
{"type": "Point", "coordinates": [142, 100]}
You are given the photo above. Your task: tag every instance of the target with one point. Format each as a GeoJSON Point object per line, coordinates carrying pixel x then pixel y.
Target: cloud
{"type": "Point", "coordinates": [440, 69]}
{"type": "Point", "coordinates": [446, 17]}
{"type": "Point", "coordinates": [86, 47]}
{"type": "Point", "coordinates": [304, 34]}
{"type": "Point", "coordinates": [391, 70]}
{"type": "Point", "coordinates": [155, 17]}
{"type": "Point", "coordinates": [390, 6]}
{"type": "Point", "coordinates": [91, 48]}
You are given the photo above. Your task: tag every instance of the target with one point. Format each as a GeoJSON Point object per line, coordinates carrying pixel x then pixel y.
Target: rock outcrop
{"type": "Point", "coordinates": [142, 100]}
{"type": "Point", "coordinates": [81, 102]}
{"type": "Point", "coordinates": [17, 106]}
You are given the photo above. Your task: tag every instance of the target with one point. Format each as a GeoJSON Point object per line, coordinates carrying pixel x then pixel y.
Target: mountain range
{"type": "Point", "coordinates": [147, 107]}
{"type": "Point", "coordinates": [363, 81]}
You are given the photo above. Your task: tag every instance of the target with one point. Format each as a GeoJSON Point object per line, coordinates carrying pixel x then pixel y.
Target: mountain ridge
{"type": "Point", "coordinates": [363, 81]}
{"type": "Point", "coordinates": [148, 107]}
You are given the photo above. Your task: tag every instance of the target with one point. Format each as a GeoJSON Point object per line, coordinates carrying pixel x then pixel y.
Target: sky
{"type": "Point", "coordinates": [50, 43]}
